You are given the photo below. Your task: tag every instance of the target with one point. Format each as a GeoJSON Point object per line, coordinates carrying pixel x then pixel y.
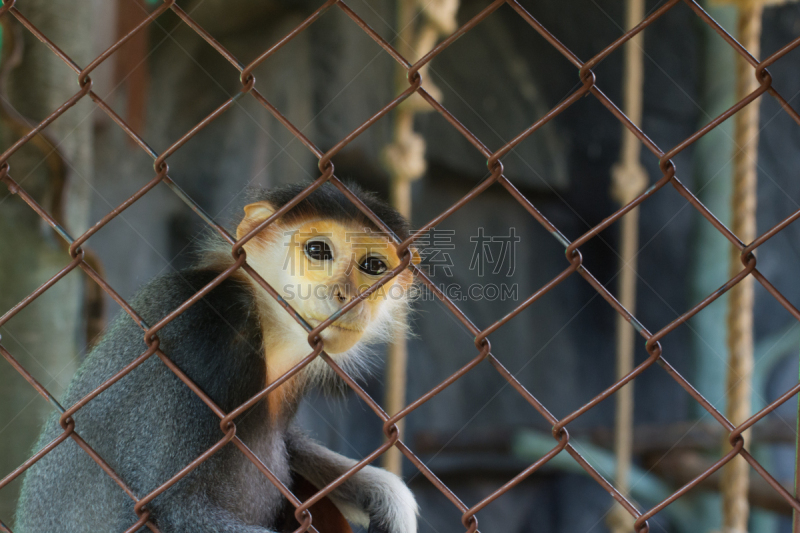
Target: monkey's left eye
{"type": "Point", "coordinates": [372, 265]}
{"type": "Point", "coordinates": [319, 250]}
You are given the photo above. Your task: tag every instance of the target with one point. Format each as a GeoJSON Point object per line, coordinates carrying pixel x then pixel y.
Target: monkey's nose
{"type": "Point", "coordinates": [340, 296]}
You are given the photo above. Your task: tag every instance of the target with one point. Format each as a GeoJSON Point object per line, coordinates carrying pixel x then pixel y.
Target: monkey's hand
{"type": "Point", "coordinates": [372, 497]}
{"type": "Point", "coordinates": [391, 507]}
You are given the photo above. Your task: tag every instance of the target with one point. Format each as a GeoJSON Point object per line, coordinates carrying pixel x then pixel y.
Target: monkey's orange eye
{"type": "Point", "coordinates": [319, 251]}
{"type": "Point", "coordinates": [372, 265]}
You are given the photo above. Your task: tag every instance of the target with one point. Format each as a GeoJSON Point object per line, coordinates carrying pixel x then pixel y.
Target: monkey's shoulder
{"type": "Point", "coordinates": [216, 341]}
{"type": "Point", "coordinates": [229, 304]}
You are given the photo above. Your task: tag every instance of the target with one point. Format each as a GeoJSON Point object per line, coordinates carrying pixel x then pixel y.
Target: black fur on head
{"type": "Point", "coordinates": [329, 202]}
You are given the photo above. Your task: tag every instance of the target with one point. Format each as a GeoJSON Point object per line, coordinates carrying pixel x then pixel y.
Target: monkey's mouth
{"type": "Point", "coordinates": [340, 325]}
{"type": "Point", "coordinates": [351, 328]}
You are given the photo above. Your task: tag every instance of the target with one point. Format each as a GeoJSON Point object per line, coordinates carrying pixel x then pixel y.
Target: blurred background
{"type": "Point", "coordinates": [497, 80]}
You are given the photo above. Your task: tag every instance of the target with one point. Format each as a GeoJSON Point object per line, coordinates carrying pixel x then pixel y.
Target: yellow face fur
{"type": "Point", "coordinates": [318, 266]}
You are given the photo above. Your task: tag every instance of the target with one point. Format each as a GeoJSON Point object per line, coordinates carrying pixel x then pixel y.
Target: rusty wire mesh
{"type": "Point", "coordinates": [573, 258]}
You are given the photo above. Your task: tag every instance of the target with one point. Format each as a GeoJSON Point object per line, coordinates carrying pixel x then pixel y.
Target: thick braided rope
{"type": "Point", "coordinates": [628, 180]}
{"type": "Point", "coordinates": [735, 475]}
{"type": "Point", "coordinates": [404, 159]}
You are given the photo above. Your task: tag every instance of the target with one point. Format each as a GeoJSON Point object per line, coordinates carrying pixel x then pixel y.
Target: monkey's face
{"type": "Point", "coordinates": [320, 265]}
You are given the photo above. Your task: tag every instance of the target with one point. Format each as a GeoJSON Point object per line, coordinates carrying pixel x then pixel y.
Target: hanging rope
{"type": "Point", "coordinates": [404, 159]}
{"type": "Point", "coordinates": [628, 180]}
{"type": "Point", "coordinates": [736, 474]}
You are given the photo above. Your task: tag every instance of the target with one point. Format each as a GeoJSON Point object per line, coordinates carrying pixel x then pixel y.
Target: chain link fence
{"type": "Point", "coordinates": [573, 265]}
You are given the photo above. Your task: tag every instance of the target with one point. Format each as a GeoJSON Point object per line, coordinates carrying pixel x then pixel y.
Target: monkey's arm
{"type": "Point", "coordinates": [371, 497]}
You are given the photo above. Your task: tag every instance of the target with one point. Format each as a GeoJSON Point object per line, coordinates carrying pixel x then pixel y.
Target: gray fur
{"type": "Point", "coordinates": [149, 425]}
{"type": "Point", "coordinates": [371, 497]}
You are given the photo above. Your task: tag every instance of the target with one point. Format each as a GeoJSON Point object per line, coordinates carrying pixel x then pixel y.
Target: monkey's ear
{"type": "Point", "coordinates": [258, 210]}
{"type": "Point", "coordinates": [253, 215]}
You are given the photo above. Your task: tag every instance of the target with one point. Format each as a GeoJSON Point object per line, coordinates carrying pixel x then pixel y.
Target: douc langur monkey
{"type": "Point", "coordinates": [232, 343]}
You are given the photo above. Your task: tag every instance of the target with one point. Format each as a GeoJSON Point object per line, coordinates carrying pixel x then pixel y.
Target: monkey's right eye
{"type": "Point", "coordinates": [319, 251]}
